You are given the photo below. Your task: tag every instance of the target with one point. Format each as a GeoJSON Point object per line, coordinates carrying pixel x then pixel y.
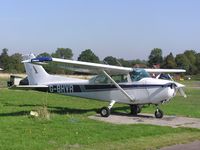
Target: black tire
{"type": "Point", "coordinates": [135, 109]}
{"type": "Point", "coordinates": [158, 113]}
{"type": "Point", "coordinates": [105, 112]}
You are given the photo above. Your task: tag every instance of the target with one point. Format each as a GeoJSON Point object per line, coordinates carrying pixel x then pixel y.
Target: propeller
{"type": "Point", "coordinates": [179, 88]}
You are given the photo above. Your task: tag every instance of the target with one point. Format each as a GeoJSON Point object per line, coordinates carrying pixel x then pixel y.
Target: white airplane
{"type": "Point", "coordinates": [131, 86]}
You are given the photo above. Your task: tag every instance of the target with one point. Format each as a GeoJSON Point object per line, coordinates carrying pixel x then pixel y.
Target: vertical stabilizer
{"type": "Point", "coordinates": [35, 73]}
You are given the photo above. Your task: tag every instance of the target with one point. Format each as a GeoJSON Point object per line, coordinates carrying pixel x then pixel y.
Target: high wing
{"type": "Point", "coordinates": [84, 66]}
{"type": "Point", "coordinates": [165, 70]}
{"type": "Point", "coordinates": [81, 66]}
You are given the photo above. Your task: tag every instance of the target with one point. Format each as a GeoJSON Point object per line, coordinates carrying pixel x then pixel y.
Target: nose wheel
{"type": "Point", "coordinates": [158, 113]}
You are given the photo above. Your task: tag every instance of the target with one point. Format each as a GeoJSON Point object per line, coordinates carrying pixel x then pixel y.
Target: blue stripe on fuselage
{"type": "Point", "coordinates": [67, 88]}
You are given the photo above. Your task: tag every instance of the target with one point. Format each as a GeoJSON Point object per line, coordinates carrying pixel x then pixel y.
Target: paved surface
{"type": "Point", "coordinates": [190, 146]}
{"type": "Point", "coordinates": [172, 121]}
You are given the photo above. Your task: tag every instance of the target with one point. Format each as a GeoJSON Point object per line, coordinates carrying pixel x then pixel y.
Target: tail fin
{"type": "Point", "coordinates": [36, 73]}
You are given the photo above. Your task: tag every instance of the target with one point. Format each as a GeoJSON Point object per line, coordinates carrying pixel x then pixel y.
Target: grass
{"type": "Point", "coordinates": [68, 126]}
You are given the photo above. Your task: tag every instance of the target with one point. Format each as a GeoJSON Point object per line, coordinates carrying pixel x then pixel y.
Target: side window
{"type": "Point", "coordinates": [120, 78]}
{"type": "Point", "coordinates": [101, 79]}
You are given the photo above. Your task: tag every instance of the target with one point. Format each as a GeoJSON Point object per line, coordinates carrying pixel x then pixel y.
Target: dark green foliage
{"type": "Point", "coordinates": [155, 57]}
{"type": "Point", "coordinates": [11, 63]}
{"type": "Point", "coordinates": [88, 56]}
{"type": "Point", "coordinates": [191, 55]}
{"type": "Point", "coordinates": [65, 53]}
{"type": "Point", "coordinates": [197, 64]}
{"type": "Point", "coordinates": [189, 60]}
{"type": "Point", "coordinates": [125, 63]}
{"type": "Point", "coordinates": [140, 62]}
{"type": "Point", "coordinates": [182, 61]}
{"type": "Point", "coordinates": [110, 60]}
{"type": "Point", "coordinates": [44, 55]}
{"type": "Point", "coordinates": [4, 59]}
{"type": "Point", "coordinates": [15, 65]}
{"type": "Point", "coordinates": [169, 62]}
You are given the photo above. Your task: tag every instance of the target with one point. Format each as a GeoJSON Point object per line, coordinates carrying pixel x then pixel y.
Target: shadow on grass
{"type": "Point", "coordinates": [19, 113]}
{"type": "Point", "coordinates": [61, 110]}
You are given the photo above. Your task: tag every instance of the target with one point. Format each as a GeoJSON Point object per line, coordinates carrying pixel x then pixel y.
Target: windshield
{"type": "Point", "coordinates": [138, 74]}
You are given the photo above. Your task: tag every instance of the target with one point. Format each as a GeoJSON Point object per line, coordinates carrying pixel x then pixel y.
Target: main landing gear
{"type": "Point", "coordinates": [135, 109]}
{"type": "Point", "coordinates": [105, 111]}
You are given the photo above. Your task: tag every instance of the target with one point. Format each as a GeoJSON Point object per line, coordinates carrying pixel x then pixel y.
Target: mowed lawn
{"type": "Point", "coordinates": [68, 126]}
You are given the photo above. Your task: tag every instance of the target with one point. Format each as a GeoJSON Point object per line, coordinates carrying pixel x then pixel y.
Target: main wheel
{"type": "Point", "coordinates": [158, 113]}
{"type": "Point", "coordinates": [105, 112]}
{"type": "Point", "coordinates": [135, 109]}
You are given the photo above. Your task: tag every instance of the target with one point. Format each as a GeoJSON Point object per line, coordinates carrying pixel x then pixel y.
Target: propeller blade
{"type": "Point", "coordinates": [179, 87]}
{"type": "Point", "coordinates": [181, 91]}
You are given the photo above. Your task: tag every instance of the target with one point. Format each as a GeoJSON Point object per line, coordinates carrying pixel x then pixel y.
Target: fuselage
{"type": "Point", "coordinates": [145, 91]}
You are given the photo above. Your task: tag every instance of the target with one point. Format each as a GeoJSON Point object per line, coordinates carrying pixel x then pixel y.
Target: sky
{"type": "Point", "coordinates": [127, 29]}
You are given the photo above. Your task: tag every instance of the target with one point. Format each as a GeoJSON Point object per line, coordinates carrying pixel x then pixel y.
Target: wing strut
{"type": "Point", "coordinates": [119, 87]}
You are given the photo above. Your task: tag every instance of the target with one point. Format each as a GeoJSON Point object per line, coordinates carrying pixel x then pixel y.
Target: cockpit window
{"type": "Point", "coordinates": [138, 74]}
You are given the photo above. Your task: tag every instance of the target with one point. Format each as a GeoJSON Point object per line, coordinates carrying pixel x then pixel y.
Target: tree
{"type": "Point", "coordinates": [15, 65]}
{"type": "Point", "coordinates": [155, 57]}
{"type": "Point", "coordinates": [4, 59]}
{"type": "Point", "coordinates": [65, 53]}
{"type": "Point", "coordinates": [44, 55]}
{"type": "Point", "coordinates": [198, 62]}
{"type": "Point", "coordinates": [110, 60]}
{"type": "Point", "coordinates": [88, 56]}
{"type": "Point", "coordinates": [191, 55]}
{"type": "Point", "coordinates": [169, 62]}
{"type": "Point", "coordinates": [125, 63]}
{"type": "Point", "coordinates": [182, 62]}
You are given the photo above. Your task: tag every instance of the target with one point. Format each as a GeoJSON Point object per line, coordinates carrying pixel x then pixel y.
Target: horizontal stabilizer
{"type": "Point", "coordinates": [27, 87]}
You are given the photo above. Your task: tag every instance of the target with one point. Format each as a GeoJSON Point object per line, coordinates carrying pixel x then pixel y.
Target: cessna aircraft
{"type": "Point", "coordinates": [131, 86]}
